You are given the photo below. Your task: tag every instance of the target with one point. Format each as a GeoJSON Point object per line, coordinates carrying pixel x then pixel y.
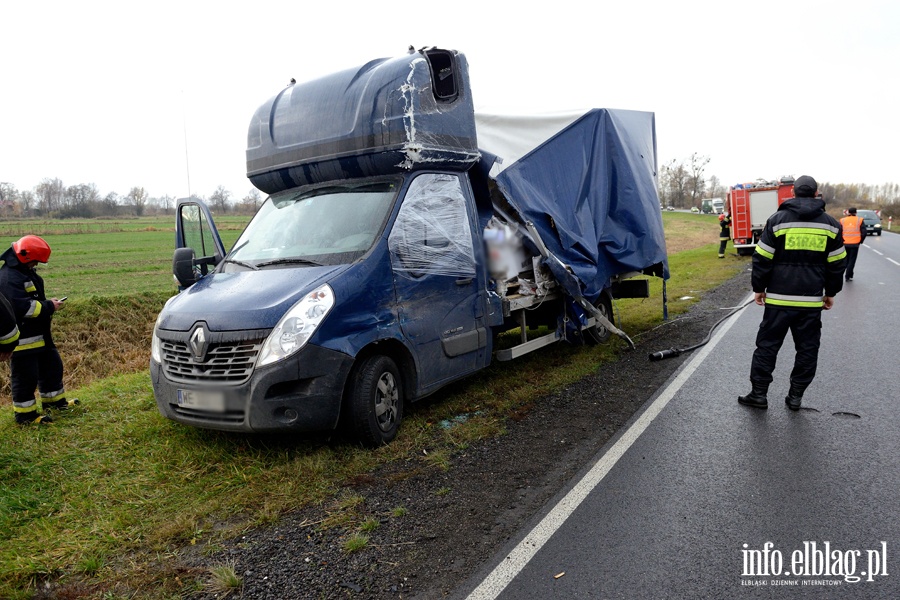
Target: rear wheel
{"type": "Point", "coordinates": [376, 401]}
{"type": "Point", "coordinates": [598, 334]}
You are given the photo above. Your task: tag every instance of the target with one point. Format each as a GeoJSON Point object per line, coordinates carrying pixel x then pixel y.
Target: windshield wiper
{"type": "Point", "coordinates": [289, 261]}
{"type": "Point", "coordinates": [242, 263]}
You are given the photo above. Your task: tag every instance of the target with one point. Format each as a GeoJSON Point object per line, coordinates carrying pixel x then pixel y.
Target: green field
{"type": "Point", "coordinates": [100, 503]}
{"type": "Point", "coordinates": [109, 257]}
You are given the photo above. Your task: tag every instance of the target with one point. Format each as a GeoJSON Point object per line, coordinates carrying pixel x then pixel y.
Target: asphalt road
{"type": "Point", "coordinates": [699, 497]}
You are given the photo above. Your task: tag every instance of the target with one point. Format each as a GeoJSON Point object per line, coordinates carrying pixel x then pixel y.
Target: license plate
{"type": "Point", "coordinates": [201, 400]}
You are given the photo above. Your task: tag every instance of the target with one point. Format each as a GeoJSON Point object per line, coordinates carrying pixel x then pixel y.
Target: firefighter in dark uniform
{"type": "Point", "coordinates": [798, 268]}
{"type": "Point", "coordinates": [725, 233]}
{"type": "Point", "coordinates": [35, 362]}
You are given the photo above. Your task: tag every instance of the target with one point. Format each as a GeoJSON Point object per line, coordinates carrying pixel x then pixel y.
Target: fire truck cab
{"type": "Point", "coordinates": [750, 205]}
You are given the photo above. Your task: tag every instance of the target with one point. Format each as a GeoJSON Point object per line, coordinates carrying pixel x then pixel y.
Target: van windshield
{"type": "Point", "coordinates": [320, 225]}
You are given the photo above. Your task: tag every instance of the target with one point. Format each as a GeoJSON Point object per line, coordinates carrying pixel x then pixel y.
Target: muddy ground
{"type": "Point", "coordinates": [458, 518]}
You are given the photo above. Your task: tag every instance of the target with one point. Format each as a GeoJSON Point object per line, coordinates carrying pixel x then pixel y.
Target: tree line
{"type": "Point", "coordinates": [683, 184]}
{"type": "Point", "coordinates": [52, 199]}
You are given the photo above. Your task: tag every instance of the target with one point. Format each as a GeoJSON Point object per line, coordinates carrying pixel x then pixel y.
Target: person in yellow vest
{"type": "Point", "coordinates": [724, 233]}
{"type": "Point", "coordinates": [854, 235]}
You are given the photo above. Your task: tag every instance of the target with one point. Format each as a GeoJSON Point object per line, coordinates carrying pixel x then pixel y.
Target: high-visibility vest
{"type": "Point", "coordinates": [851, 227]}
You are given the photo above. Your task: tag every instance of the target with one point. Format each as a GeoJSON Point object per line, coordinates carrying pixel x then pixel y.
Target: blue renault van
{"type": "Point", "coordinates": [393, 248]}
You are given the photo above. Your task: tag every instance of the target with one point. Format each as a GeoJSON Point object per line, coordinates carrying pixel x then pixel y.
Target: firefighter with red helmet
{"type": "Point", "coordinates": [35, 361]}
{"type": "Point", "coordinates": [724, 232]}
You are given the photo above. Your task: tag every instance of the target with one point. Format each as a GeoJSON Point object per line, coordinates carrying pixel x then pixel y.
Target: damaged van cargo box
{"type": "Point", "coordinates": [390, 115]}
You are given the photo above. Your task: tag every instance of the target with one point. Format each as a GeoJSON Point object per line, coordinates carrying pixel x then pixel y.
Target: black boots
{"type": "Point", "coordinates": [757, 397]}
{"type": "Point", "coordinates": [32, 417]}
{"type": "Point", "coordinates": [795, 395]}
{"type": "Point", "coordinates": [63, 404]}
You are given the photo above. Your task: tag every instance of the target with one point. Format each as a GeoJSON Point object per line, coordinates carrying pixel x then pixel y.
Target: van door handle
{"type": "Point", "coordinates": [465, 281]}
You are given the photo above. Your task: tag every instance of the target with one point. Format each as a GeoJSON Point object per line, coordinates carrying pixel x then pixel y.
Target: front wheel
{"type": "Point", "coordinates": [376, 401]}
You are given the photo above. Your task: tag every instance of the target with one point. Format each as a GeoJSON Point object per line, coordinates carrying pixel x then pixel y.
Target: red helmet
{"type": "Point", "coordinates": [31, 247]}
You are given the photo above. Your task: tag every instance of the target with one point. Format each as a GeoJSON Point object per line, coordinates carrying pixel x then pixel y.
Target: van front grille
{"type": "Point", "coordinates": [227, 362]}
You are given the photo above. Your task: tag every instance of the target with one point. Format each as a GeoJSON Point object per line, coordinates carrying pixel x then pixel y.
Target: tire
{"type": "Point", "coordinates": [376, 401]}
{"type": "Point", "coordinates": [598, 334]}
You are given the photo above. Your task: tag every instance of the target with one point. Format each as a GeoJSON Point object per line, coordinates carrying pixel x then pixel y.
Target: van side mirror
{"type": "Point", "coordinates": [183, 267]}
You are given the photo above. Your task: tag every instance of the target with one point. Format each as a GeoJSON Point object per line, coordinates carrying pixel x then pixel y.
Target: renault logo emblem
{"type": "Point", "coordinates": [199, 343]}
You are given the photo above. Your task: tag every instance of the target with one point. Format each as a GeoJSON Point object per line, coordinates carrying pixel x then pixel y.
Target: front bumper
{"type": "Point", "coordinates": [301, 394]}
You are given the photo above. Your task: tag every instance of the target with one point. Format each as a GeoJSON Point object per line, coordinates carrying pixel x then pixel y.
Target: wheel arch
{"type": "Point", "coordinates": [401, 356]}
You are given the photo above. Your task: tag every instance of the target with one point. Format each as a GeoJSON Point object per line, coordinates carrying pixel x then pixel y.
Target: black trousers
{"type": "Point", "coordinates": [36, 369]}
{"type": "Point", "coordinates": [805, 325]}
{"type": "Point", "coordinates": [852, 253]}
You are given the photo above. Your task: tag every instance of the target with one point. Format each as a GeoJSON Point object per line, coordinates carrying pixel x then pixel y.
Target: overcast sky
{"type": "Point", "coordinates": [160, 94]}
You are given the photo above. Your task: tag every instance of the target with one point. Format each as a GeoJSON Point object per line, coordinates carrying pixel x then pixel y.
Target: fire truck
{"type": "Point", "coordinates": [750, 205]}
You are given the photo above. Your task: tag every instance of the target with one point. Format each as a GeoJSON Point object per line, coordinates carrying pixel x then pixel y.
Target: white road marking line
{"type": "Point", "coordinates": [497, 580]}
{"type": "Point", "coordinates": [894, 261]}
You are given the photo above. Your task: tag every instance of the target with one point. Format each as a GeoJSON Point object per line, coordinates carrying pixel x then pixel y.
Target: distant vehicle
{"type": "Point", "coordinates": [670, 208]}
{"type": "Point", "coordinates": [871, 221]}
{"type": "Point", "coordinates": [718, 205]}
{"type": "Point", "coordinates": [694, 209]}
{"type": "Point", "coordinates": [750, 205]}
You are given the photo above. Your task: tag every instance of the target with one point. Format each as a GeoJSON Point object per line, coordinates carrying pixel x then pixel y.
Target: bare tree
{"type": "Point", "coordinates": [673, 183]}
{"type": "Point", "coordinates": [219, 199]}
{"type": "Point", "coordinates": [165, 203]}
{"type": "Point", "coordinates": [8, 195]}
{"type": "Point", "coordinates": [696, 184]}
{"type": "Point", "coordinates": [110, 204]}
{"type": "Point", "coordinates": [50, 194]}
{"type": "Point", "coordinates": [138, 199]}
{"type": "Point", "coordinates": [250, 203]}
{"type": "Point", "coordinates": [81, 200]}
{"type": "Point", "coordinates": [715, 189]}
{"type": "Point", "coordinates": [26, 202]}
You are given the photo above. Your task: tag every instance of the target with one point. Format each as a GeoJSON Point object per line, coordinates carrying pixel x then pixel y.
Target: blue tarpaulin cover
{"type": "Point", "coordinates": [587, 181]}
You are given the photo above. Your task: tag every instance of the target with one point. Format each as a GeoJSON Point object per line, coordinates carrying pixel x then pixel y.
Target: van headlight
{"type": "Point", "coordinates": [155, 343]}
{"type": "Point", "coordinates": [156, 348]}
{"type": "Point", "coordinates": [297, 326]}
